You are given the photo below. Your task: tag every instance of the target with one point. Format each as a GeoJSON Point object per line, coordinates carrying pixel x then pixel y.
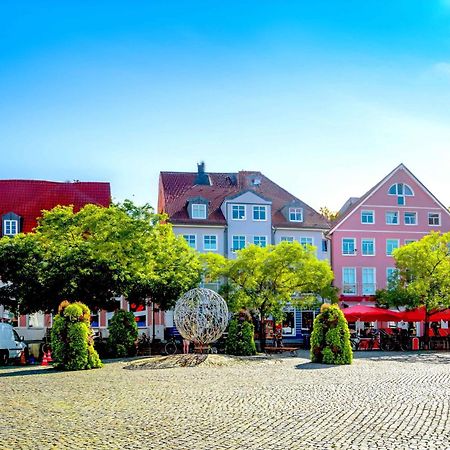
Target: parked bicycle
{"type": "Point", "coordinates": [171, 346]}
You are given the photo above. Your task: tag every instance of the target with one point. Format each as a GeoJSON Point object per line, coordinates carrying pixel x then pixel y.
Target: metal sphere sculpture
{"type": "Point", "coordinates": [201, 316]}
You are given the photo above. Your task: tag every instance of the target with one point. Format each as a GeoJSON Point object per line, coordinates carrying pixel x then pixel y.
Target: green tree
{"type": "Point", "coordinates": [72, 338]}
{"type": "Point", "coordinates": [330, 338]}
{"type": "Point", "coordinates": [240, 339]}
{"type": "Point", "coordinates": [331, 216]}
{"type": "Point", "coordinates": [123, 333]}
{"type": "Point", "coordinates": [266, 279]}
{"type": "Point", "coordinates": [423, 275]}
{"type": "Point", "coordinates": [94, 255]}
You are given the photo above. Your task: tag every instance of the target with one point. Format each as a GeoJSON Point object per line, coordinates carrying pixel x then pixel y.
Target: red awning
{"type": "Point", "coordinates": [369, 314]}
{"type": "Point", "coordinates": [413, 315]}
{"type": "Point", "coordinates": [439, 315]}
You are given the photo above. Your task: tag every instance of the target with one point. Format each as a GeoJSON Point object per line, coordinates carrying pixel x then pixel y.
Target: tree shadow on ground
{"type": "Point", "coordinates": [411, 357]}
{"type": "Point", "coordinates": [313, 366]}
{"type": "Point", "coordinates": [16, 372]}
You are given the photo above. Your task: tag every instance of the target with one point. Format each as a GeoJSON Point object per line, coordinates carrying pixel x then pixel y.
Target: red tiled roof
{"type": "Point", "coordinates": [27, 198]}
{"type": "Point", "coordinates": [176, 188]}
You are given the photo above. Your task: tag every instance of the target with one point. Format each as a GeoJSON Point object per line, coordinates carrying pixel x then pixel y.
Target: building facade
{"type": "Point", "coordinates": [396, 211]}
{"type": "Point", "coordinates": [225, 212]}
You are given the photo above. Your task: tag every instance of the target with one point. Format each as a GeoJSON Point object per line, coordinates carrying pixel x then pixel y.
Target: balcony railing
{"type": "Point", "coordinates": [359, 288]}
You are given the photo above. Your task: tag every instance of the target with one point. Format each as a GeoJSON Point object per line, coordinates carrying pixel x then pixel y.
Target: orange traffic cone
{"type": "Point", "coordinates": [44, 360]}
{"type": "Point", "coordinates": [23, 361]}
{"type": "Point", "coordinates": [49, 357]}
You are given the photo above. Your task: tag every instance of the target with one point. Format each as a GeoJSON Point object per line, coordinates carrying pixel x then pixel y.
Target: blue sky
{"type": "Point", "coordinates": [323, 97]}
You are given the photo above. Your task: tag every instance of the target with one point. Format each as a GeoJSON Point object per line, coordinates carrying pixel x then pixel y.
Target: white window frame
{"type": "Point", "coordinates": [293, 212]}
{"type": "Point", "coordinates": [259, 209]}
{"type": "Point", "coordinates": [354, 247]}
{"type": "Point", "coordinates": [309, 239]}
{"type": "Point", "coordinates": [396, 214]}
{"type": "Point", "coordinates": [139, 314]}
{"type": "Point", "coordinates": [344, 283]}
{"type": "Point", "coordinates": [187, 240]}
{"type": "Point", "coordinates": [398, 245]}
{"type": "Point", "coordinates": [290, 309]}
{"type": "Point", "coordinates": [10, 224]}
{"type": "Point", "coordinates": [362, 247]}
{"type": "Point", "coordinates": [415, 218]}
{"type": "Point", "coordinates": [260, 237]}
{"type": "Point", "coordinates": [373, 283]}
{"type": "Point", "coordinates": [410, 241]}
{"type": "Point", "coordinates": [438, 214]}
{"type": "Point", "coordinates": [238, 208]}
{"type": "Point", "coordinates": [232, 242]}
{"type": "Point", "coordinates": [364, 212]}
{"type": "Point", "coordinates": [198, 211]}
{"type": "Point", "coordinates": [289, 239]}
{"type": "Point", "coordinates": [204, 242]}
{"type": "Point", "coordinates": [388, 275]}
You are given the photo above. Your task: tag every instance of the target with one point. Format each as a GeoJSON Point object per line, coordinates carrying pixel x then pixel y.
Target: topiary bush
{"type": "Point", "coordinates": [123, 333]}
{"type": "Point", "coordinates": [72, 338]}
{"type": "Point", "coordinates": [240, 340]}
{"type": "Point", "coordinates": [330, 338]}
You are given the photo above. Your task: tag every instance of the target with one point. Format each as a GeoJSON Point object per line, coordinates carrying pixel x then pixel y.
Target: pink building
{"type": "Point", "coordinates": [398, 210]}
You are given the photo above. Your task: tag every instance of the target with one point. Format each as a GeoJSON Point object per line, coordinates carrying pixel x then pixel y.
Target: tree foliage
{"type": "Point", "coordinates": [240, 339]}
{"type": "Point", "coordinates": [330, 338]}
{"type": "Point", "coordinates": [423, 274]}
{"type": "Point", "coordinates": [94, 255]}
{"type": "Point", "coordinates": [123, 333]}
{"type": "Point", "coordinates": [72, 338]}
{"type": "Point", "coordinates": [329, 215]}
{"type": "Point", "coordinates": [268, 278]}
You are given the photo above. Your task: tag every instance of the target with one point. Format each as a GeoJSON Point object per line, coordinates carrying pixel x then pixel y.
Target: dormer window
{"type": "Point", "coordinates": [198, 211]}
{"type": "Point", "coordinates": [10, 224]}
{"type": "Point", "coordinates": [401, 190]}
{"type": "Point", "coordinates": [296, 214]}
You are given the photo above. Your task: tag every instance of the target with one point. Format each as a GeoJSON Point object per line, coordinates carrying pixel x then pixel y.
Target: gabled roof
{"type": "Point", "coordinates": [28, 198]}
{"type": "Point", "coordinates": [176, 188]}
{"type": "Point", "coordinates": [350, 206]}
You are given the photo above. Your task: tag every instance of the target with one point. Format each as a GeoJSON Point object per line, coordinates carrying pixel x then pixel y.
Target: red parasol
{"type": "Point", "coordinates": [440, 315]}
{"type": "Point", "coordinates": [413, 315]}
{"type": "Point", "coordinates": [369, 314]}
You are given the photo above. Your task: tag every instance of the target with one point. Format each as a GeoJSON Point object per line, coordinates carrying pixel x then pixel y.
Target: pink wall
{"type": "Point", "coordinates": [380, 202]}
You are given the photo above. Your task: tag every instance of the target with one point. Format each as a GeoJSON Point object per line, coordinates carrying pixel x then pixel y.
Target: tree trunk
{"type": "Point", "coordinates": [262, 329]}
{"type": "Point", "coordinates": [426, 338]}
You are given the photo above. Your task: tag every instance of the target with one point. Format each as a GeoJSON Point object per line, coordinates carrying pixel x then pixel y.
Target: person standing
{"type": "Point", "coordinates": [186, 345]}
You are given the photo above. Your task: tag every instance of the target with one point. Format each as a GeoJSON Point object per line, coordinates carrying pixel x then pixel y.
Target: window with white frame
{"type": "Point", "coordinates": [348, 246]}
{"type": "Point", "coordinates": [259, 213]}
{"type": "Point", "coordinates": [288, 325]}
{"type": "Point", "coordinates": [198, 211]}
{"type": "Point", "coordinates": [306, 241]}
{"type": "Point", "coordinates": [409, 241]}
{"type": "Point", "coordinates": [261, 241]}
{"type": "Point", "coordinates": [191, 239]}
{"type": "Point", "coordinates": [287, 239]}
{"type": "Point", "coordinates": [391, 217]}
{"type": "Point", "coordinates": [296, 214]}
{"type": "Point", "coordinates": [391, 245]}
{"type": "Point", "coordinates": [368, 281]}
{"type": "Point", "coordinates": [349, 280]}
{"type": "Point", "coordinates": [36, 320]}
{"type": "Point", "coordinates": [401, 190]}
{"type": "Point", "coordinates": [434, 219]}
{"type": "Point", "coordinates": [391, 272]}
{"type": "Point", "coordinates": [238, 243]}
{"type": "Point", "coordinates": [367, 217]}
{"type": "Point", "coordinates": [238, 212]}
{"type": "Point", "coordinates": [410, 218]}
{"type": "Point", "coordinates": [368, 247]}
{"type": "Point", "coordinates": [10, 227]}
{"type": "Point", "coordinates": [210, 242]}
{"type": "Point", "coordinates": [324, 245]}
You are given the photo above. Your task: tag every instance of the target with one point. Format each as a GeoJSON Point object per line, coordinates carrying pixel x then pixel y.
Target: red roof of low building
{"type": "Point", "coordinates": [27, 198]}
{"type": "Point", "coordinates": [176, 188]}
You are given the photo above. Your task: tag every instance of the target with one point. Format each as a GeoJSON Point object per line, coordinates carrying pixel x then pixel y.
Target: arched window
{"type": "Point", "coordinates": [401, 190]}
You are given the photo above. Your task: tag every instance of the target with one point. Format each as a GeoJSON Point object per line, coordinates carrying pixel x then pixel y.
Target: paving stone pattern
{"type": "Point", "coordinates": [382, 401]}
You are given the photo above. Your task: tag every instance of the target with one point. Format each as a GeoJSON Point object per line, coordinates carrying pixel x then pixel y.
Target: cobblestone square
{"type": "Point", "coordinates": [383, 401]}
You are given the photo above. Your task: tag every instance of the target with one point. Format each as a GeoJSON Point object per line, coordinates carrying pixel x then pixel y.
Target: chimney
{"type": "Point", "coordinates": [202, 177]}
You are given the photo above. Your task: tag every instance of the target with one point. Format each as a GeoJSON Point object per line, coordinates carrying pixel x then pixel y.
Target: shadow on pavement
{"type": "Point", "coordinates": [313, 366]}
{"type": "Point", "coordinates": [410, 357]}
{"type": "Point", "coordinates": [20, 372]}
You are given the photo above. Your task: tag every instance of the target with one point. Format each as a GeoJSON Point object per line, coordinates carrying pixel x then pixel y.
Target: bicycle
{"type": "Point", "coordinates": [171, 346]}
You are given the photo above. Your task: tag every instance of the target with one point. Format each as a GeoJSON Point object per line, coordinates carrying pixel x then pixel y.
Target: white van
{"type": "Point", "coordinates": [11, 344]}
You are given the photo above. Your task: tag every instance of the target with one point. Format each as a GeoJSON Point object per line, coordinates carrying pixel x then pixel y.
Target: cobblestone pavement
{"type": "Point", "coordinates": [382, 401]}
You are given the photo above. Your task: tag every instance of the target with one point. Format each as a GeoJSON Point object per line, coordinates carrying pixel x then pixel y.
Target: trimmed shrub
{"type": "Point", "coordinates": [240, 340]}
{"type": "Point", "coordinates": [123, 333]}
{"type": "Point", "coordinates": [330, 338]}
{"type": "Point", "coordinates": [72, 338]}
